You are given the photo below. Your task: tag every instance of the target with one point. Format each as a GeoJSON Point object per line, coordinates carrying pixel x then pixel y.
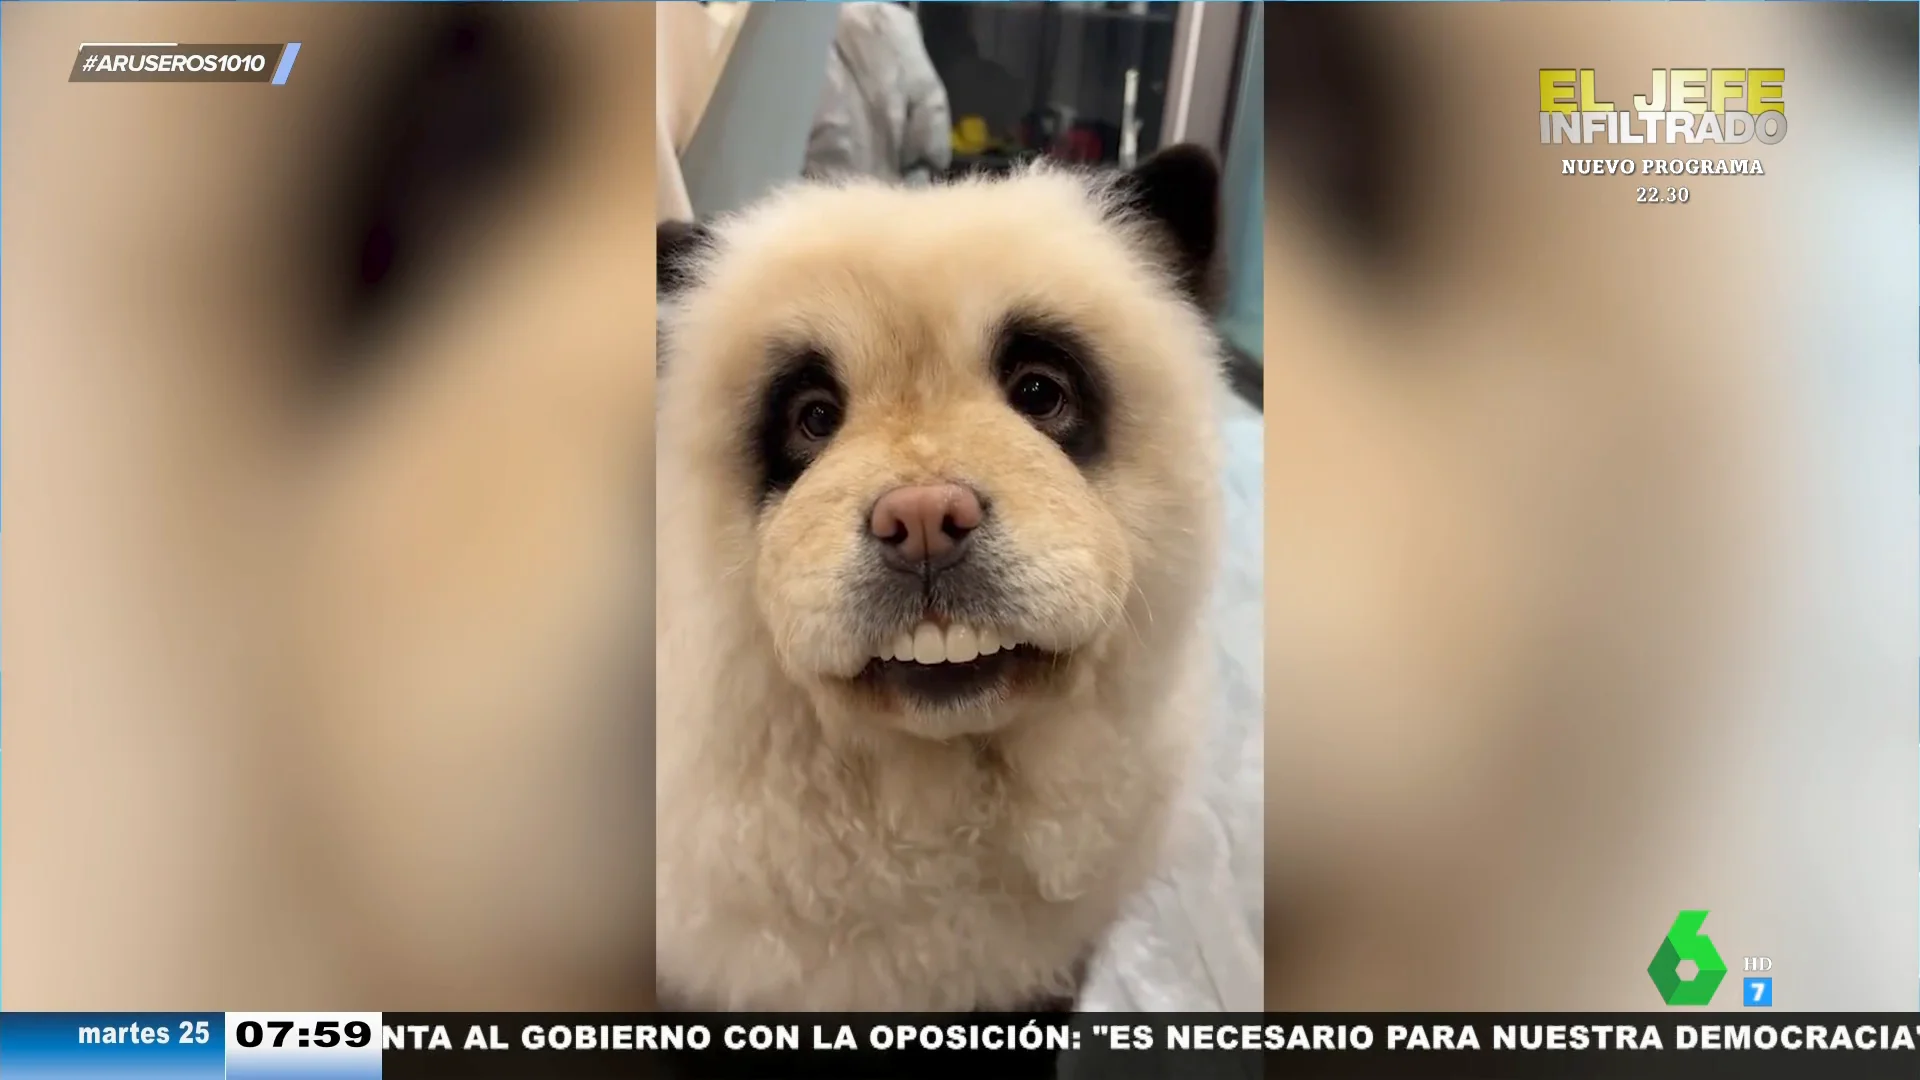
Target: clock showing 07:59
{"type": "Point", "coordinates": [297, 1045]}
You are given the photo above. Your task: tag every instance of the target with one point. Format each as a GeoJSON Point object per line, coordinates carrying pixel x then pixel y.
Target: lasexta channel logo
{"type": "Point", "coordinates": [1685, 941]}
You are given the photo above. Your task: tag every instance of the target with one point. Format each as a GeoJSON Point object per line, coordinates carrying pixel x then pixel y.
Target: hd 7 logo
{"type": "Point", "coordinates": [1685, 941]}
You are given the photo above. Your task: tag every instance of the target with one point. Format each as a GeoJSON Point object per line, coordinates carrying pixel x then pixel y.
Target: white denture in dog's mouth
{"type": "Point", "coordinates": [953, 664]}
{"type": "Point", "coordinates": [956, 643]}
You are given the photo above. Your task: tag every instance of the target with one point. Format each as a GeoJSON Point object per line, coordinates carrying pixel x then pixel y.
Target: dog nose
{"type": "Point", "coordinates": [926, 525]}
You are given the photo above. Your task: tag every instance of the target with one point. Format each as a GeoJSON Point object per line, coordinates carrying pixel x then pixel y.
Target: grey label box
{"type": "Point", "coordinates": [168, 62]}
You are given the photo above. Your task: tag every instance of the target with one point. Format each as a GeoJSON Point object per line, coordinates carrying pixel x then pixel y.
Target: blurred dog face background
{"type": "Point", "coordinates": [328, 430]}
{"type": "Point", "coordinates": [1591, 532]}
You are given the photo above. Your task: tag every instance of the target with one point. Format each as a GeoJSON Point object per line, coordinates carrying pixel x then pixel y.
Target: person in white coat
{"type": "Point", "coordinates": [885, 110]}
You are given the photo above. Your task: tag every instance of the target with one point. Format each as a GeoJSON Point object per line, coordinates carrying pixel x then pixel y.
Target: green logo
{"type": "Point", "coordinates": [1684, 941]}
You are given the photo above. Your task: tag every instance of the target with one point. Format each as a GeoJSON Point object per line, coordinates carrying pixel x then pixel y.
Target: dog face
{"type": "Point", "coordinates": [955, 459]}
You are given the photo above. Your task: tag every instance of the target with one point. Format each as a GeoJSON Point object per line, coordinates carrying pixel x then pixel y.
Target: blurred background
{"type": "Point", "coordinates": [753, 96]}
{"type": "Point", "coordinates": [1591, 524]}
{"type": "Point", "coordinates": [328, 569]}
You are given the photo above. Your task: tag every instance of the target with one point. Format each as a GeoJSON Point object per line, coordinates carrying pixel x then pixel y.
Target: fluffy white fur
{"type": "Point", "coordinates": [819, 853]}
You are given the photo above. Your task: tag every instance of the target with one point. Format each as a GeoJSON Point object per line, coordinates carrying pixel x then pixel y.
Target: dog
{"type": "Point", "coordinates": [328, 515]}
{"type": "Point", "coordinates": [937, 515]}
{"type": "Point", "coordinates": [1589, 597]}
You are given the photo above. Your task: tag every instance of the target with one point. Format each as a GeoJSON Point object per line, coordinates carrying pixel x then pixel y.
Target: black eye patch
{"type": "Point", "coordinates": [1031, 350]}
{"type": "Point", "coordinates": [783, 445]}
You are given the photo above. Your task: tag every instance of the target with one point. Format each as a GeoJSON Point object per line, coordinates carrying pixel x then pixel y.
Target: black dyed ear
{"type": "Point", "coordinates": [1179, 190]}
{"type": "Point", "coordinates": [677, 243]}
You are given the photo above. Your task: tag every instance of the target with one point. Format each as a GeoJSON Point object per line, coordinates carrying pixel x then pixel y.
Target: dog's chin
{"type": "Point", "coordinates": [945, 725]}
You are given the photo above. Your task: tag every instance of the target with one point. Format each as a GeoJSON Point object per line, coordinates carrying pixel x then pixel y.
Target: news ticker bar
{"type": "Point", "coordinates": [168, 61]}
{"type": "Point", "coordinates": [361, 1046]}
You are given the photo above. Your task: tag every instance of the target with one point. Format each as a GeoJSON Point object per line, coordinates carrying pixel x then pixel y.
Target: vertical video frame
{"type": "Point", "coordinates": [960, 480]}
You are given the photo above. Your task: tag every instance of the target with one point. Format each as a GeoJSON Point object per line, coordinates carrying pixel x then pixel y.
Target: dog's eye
{"type": "Point", "coordinates": [1046, 372]}
{"type": "Point", "coordinates": [1038, 393]}
{"type": "Point", "coordinates": [803, 408]}
{"type": "Point", "coordinates": [816, 416]}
